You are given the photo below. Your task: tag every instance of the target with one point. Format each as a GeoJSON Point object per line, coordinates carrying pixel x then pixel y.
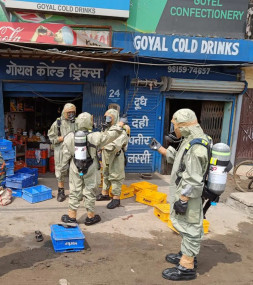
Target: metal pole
{"type": "Point", "coordinates": [236, 127]}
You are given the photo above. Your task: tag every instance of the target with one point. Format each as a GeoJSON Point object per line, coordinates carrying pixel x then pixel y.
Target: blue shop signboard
{"type": "Point", "coordinates": [182, 47]}
{"type": "Point", "coordinates": [111, 8]}
{"type": "Point", "coordinates": [48, 71]}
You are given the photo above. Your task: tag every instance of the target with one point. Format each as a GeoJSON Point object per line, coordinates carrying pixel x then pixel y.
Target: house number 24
{"type": "Point", "coordinates": [114, 93]}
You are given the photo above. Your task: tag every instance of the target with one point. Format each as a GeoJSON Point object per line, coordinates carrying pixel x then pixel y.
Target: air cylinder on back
{"type": "Point", "coordinates": [217, 176]}
{"type": "Point", "coordinates": [80, 150]}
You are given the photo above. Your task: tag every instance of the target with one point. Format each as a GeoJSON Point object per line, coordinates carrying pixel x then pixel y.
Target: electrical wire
{"type": "Point", "coordinates": [195, 64]}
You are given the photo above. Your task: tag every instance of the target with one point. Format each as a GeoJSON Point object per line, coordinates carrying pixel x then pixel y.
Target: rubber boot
{"type": "Point", "coordinates": [174, 258]}
{"type": "Point", "coordinates": [93, 220]}
{"type": "Point", "coordinates": [101, 197]}
{"type": "Point", "coordinates": [70, 217]}
{"type": "Point", "coordinates": [184, 271]}
{"type": "Point", "coordinates": [113, 204]}
{"type": "Point", "coordinates": [61, 195]}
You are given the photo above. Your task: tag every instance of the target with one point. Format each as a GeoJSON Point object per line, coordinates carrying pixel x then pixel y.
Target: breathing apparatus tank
{"type": "Point", "coordinates": [218, 169]}
{"type": "Point", "coordinates": [80, 150]}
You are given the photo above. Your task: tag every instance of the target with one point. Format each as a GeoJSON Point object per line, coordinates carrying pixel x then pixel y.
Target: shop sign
{"type": "Point", "coordinates": [112, 8]}
{"type": "Point", "coordinates": [72, 72]}
{"type": "Point", "coordinates": [53, 34]}
{"type": "Point", "coordinates": [180, 47]}
{"type": "Point", "coordinates": [218, 18]}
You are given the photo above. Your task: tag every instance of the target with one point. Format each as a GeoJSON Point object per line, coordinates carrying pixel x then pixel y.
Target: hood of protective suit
{"type": "Point", "coordinates": [114, 114]}
{"type": "Point", "coordinates": [68, 108]}
{"type": "Point", "coordinates": [84, 122]}
{"type": "Point", "coordinates": [187, 122]}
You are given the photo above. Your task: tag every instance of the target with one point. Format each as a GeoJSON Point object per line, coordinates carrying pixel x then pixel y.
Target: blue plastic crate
{"type": "Point", "coordinates": [34, 162]}
{"type": "Point", "coordinates": [32, 171]}
{"type": "Point", "coordinates": [5, 145]}
{"type": "Point", "coordinates": [9, 171]}
{"type": "Point", "coordinates": [10, 154]}
{"type": "Point", "coordinates": [67, 239]}
{"type": "Point", "coordinates": [37, 194]}
{"type": "Point", "coordinates": [9, 163]}
{"type": "Point", "coordinates": [16, 192]}
{"type": "Point", "coordinates": [19, 180]}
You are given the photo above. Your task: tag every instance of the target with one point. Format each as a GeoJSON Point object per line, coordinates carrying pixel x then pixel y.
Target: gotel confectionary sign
{"type": "Point", "coordinates": [112, 8]}
{"type": "Point", "coordinates": [218, 18]}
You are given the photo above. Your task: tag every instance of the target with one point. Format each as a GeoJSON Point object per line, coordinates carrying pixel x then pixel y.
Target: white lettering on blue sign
{"type": "Point", "coordinates": [140, 123]}
{"type": "Point", "coordinates": [140, 101]}
{"type": "Point", "coordinates": [77, 72]}
{"type": "Point", "coordinates": [186, 45]}
{"type": "Point", "coordinates": [143, 158]}
{"type": "Point", "coordinates": [139, 140]}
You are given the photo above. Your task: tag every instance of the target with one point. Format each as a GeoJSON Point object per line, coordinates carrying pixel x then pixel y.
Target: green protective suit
{"type": "Point", "coordinates": [113, 159]}
{"type": "Point", "coordinates": [190, 225]}
{"type": "Point", "coordinates": [85, 186]}
{"type": "Point", "coordinates": [65, 127]}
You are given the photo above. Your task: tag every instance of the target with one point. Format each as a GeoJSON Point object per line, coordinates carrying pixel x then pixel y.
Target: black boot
{"type": "Point", "coordinates": [61, 195]}
{"type": "Point", "coordinates": [113, 204]}
{"type": "Point", "coordinates": [179, 273]}
{"type": "Point", "coordinates": [174, 258]}
{"type": "Point", "coordinates": [67, 219]}
{"type": "Point", "coordinates": [101, 197]}
{"type": "Point", "coordinates": [91, 221]}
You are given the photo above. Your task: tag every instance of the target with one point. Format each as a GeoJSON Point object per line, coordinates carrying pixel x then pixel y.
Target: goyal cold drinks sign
{"type": "Point", "coordinates": [218, 18]}
{"type": "Point", "coordinates": [113, 8]}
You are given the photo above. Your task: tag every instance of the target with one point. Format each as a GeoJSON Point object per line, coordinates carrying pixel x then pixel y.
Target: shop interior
{"type": "Point", "coordinates": [27, 121]}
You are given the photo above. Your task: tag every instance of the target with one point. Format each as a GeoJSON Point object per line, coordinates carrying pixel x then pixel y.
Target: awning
{"type": "Point", "coordinates": [49, 52]}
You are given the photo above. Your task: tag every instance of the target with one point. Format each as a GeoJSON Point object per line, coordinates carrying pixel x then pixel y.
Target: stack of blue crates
{"type": "Point", "coordinates": [8, 155]}
{"type": "Point", "coordinates": [18, 182]}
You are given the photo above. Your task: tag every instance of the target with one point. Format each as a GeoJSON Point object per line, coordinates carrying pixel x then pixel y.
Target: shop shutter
{"type": "Point", "coordinates": [211, 119]}
{"type": "Point", "coordinates": [94, 101]}
{"type": "Point", "coordinates": [208, 86]}
{"type": "Point", "coordinates": [144, 111]}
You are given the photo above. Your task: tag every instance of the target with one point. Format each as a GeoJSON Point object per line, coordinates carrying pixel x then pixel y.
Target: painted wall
{"type": "Point", "coordinates": [249, 76]}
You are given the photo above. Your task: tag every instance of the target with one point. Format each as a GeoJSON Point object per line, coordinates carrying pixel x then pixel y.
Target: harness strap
{"type": "Point", "coordinates": [59, 127]}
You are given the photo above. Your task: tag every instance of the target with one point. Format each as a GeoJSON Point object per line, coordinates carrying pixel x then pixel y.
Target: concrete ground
{"type": "Point", "coordinates": [128, 246]}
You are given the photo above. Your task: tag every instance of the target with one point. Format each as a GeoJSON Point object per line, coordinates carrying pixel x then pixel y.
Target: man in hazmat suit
{"type": "Point", "coordinates": [59, 129]}
{"type": "Point", "coordinates": [113, 159]}
{"type": "Point", "coordinates": [84, 175]}
{"type": "Point", "coordinates": [186, 186]}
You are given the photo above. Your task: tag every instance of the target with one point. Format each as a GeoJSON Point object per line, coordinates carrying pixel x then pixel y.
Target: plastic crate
{"type": "Point", "coordinates": [206, 224]}
{"type": "Point", "coordinates": [162, 211]}
{"type": "Point", "coordinates": [41, 169]}
{"type": "Point", "coordinates": [16, 192]}
{"type": "Point", "coordinates": [19, 164]}
{"type": "Point", "coordinates": [32, 171]}
{"type": "Point", "coordinates": [150, 197]}
{"type": "Point", "coordinates": [67, 239]}
{"type": "Point", "coordinates": [126, 192]}
{"type": "Point", "coordinates": [9, 163]}
{"type": "Point", "coordinates": [10, 154]}
{"type": "Point", "coordinates": [19, 180]}
{"type": "Point", "coordinates": [34, 162]}
{"type": "Point", "coordinates": [9, 171]}
{"type": "Point", "coordinates": [5, 145]}
{"type": "Point", "coordinates": [143, 185]}
{"type": "Point", "coordinates": [31, 153]}
{"type": "Point", "coordinates": [37, 194]}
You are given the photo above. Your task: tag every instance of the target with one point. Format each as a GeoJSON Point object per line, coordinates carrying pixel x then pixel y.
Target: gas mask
{"type": "Point", "coordinates": [71, 116]}
{"type": "Point", "coordinates": [107, 122]}
{"type": "Point", "coordinates": [172, 136]}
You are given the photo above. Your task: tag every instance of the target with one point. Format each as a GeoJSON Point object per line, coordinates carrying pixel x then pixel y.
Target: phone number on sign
{"type": "Point", "coordinates": [188, 69]}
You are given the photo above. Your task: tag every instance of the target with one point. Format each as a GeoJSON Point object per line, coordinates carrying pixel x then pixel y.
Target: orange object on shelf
{"type": "Point", "coordinates": [31, 153]}
{"type": "Point", "coordinates": [41, 169]}
{"type": "Point", "coordinates": [19, 164]}
{"type": "Point", "coordinates": [51, 164]}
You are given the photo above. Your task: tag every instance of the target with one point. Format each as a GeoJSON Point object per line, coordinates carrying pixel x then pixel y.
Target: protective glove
{"type": "Point", "coordinates": [180, 207]}
{"type": "Point", "coordinates": [124, 119]}
{"type": "Point", "coordinates": [154, 144]}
